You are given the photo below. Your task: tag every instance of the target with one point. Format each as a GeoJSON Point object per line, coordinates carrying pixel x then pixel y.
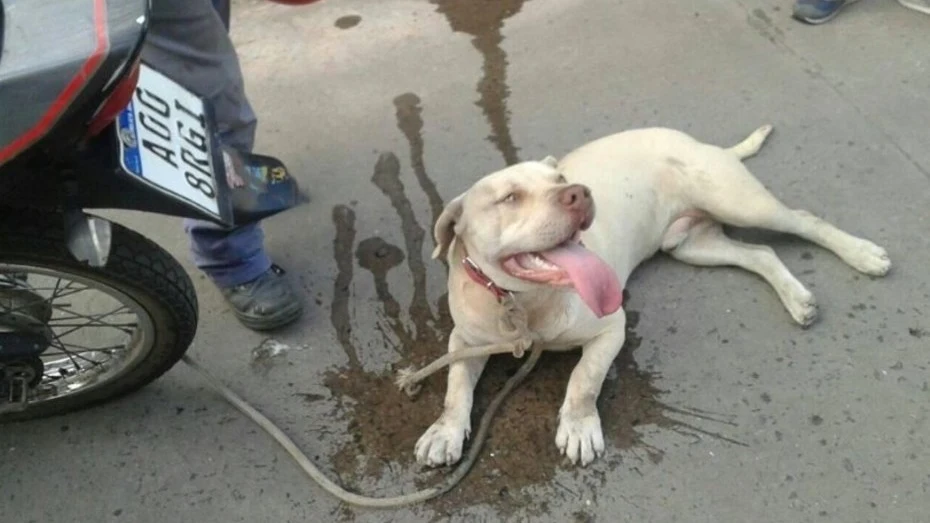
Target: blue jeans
{"type": "Point", "coordinates": [189, 41]}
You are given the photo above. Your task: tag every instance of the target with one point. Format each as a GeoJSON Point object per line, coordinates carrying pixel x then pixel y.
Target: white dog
{"type": "Point", "coordinates": [529, 261]}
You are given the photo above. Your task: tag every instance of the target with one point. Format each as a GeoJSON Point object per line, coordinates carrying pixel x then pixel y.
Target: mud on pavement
{"type": "Point", "coordinates": [384, 424]}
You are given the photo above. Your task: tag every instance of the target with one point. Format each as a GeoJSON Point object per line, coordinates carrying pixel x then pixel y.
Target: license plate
{"type": "Point", "coordinates": [165, 141]}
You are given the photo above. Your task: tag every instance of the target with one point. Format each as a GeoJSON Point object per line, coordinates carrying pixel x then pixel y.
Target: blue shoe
{"type": "Point", "coordinates": [818, 11]}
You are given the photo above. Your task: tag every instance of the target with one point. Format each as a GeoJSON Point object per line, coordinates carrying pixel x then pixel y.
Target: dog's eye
{"type": "Point", "coordinates": [510, 198]}
{"type": "Point", "coordinates": [561, 179]}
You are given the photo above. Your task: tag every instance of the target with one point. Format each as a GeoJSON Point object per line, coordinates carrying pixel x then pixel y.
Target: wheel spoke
{"type": "Point", "coordinates": [75, 359]}
{"type": "Point", "coordinates": [63, 294]}
{"type": "Point", "coordinates": [81, 348]}
{"type": "Point", "coordinates": [71, 355]}
{"type": "Point", "coordinates": [57, 292]}
{"type": "Point", "coordinates": [52, 323]}
{"type": "Point", "coordinates": [79, 356]}
{"type": "Point", "coordinates": [94, 321]}
{"type": "Point", "coordinates": [70, 314]}
{"type": "Point", "coordinates": [53, 289]}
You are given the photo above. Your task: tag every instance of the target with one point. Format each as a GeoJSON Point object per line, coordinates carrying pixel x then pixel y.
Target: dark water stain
{"type": "Point", "coordinates": [344, 221]}
{"type": "Point", "coordinates": [848, 465]}
{"type": "Point", "coordinates": [484, 20]}
{"type": "Point", "coordinates": [583, 517]}
{"type": "Point", "coordinates": [410, 122]}
{"type": "Point", "coordinates": [378, 257]}
{"type": "Point", "coordinates": [760, 14]}
{"type": "Point", "coordinates": [387, 178]}
{"type": "Point", "coordinates": [382, 421]}
{"type": "Point", "coordinates": [348, 21]}
{"type": "Point", "coordinates": [764, 25]}
{"type": "Point", "coordinates": [309, 397]}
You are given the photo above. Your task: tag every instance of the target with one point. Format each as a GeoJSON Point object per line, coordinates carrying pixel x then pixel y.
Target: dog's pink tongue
{"type": "Point", "coordinates": [594, 280]}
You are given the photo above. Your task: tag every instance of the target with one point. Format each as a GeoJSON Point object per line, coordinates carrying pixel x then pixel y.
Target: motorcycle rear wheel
{"type": "Point", "coordinates": [145, 281]}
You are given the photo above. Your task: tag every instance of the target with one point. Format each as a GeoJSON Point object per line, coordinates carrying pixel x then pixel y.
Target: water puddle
{"type": "Point", "coordinates": [410, 122]}
{"type": "Point", "coordinates": [484, 21]}
{"type": "Point", "coordinates": [348, 21]}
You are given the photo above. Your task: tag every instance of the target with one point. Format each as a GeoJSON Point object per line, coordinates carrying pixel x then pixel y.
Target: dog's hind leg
{"type": "Point", "coordinates": [732, 195]}
{"type": "Point", "coordinates": [705, 244]}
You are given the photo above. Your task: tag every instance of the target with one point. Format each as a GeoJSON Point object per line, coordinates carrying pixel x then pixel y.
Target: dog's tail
{"type": "Point", "coordinates": [751, 145]}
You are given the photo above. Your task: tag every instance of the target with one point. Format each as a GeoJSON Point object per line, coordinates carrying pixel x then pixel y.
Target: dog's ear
{"type": "Point", "coordinates": [444, 230]}
{"type": "Point", "coordinates": [550, 161]}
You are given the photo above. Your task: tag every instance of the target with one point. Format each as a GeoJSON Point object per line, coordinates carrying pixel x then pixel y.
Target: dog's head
{"type": "Point", "coordinates": [522, 226]}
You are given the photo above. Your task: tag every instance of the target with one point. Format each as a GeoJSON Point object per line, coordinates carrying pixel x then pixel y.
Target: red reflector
{"type": "Point", "coordinates": [116, 102]}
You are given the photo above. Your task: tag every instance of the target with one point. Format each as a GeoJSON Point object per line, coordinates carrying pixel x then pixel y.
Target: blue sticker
{"type": "Point", "coordinates": [129, 140]}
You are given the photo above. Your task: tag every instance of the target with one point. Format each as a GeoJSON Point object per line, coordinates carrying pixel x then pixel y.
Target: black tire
{"type": "Point", "coordinates": [136, 267]}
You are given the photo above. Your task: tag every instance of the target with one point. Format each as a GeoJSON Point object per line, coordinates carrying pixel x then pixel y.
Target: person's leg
{"type": "Point", "coordinates": [188, 41]}
{"type": "Point", "coordinates": [818, 11]}
{"type": "Point", "coordinates": [224, 10]}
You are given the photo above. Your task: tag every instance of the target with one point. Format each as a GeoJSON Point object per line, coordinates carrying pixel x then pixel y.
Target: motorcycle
{"type": "Point", "coordinates": [91, 310]}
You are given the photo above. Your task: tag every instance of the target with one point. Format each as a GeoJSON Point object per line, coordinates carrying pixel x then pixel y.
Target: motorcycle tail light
{"type": "Point", "coordinates": [118, 99]}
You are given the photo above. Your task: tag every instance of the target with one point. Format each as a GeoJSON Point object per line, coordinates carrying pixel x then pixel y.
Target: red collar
{"type": "Point", "coordinates": [478, 276]}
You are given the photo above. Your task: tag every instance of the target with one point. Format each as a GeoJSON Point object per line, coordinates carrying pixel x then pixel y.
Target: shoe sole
{"type": "Point", "coordinates": [818, 21]}
{"type": "Point", "coordinates": [831, 16]}
{"type": "Point", "coordinates": [281, 319]}
{"type": "Point", "coordinates": [920, 8]}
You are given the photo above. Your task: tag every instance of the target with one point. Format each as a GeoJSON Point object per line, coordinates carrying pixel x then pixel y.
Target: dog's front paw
{"type": "Point", "coordinates": [580, 438]}
{"type": "Point", "coordinates": [441, 444]}
{"type": "Point", "coordinates": [869, 258]}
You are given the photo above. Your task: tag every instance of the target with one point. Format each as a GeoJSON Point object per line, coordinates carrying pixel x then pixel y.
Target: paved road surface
{"type": "Point", "coordinates": [720, 410]}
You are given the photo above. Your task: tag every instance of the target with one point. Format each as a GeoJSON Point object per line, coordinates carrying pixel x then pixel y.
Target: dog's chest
{"type": "Point", "coordinates": [557, 328]}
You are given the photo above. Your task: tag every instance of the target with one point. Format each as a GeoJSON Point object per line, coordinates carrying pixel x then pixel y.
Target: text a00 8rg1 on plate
{"type": "Point", "coordinates": [163, 140]}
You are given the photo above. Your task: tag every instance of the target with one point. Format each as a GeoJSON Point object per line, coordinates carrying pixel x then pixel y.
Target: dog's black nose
{"type": "Point", "coordinates": [575, 197]}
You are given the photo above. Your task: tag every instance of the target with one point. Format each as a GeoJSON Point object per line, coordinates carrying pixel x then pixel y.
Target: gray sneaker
{"type": "Point", "coordinates": [265, 303]}
{"type": "Point", "coordinates": [818, 11]}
